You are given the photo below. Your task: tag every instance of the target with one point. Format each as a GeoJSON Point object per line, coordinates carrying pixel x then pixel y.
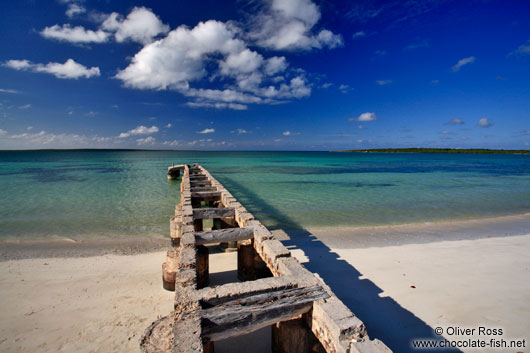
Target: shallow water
{"type": "Point", "coordinates": [122, 193]}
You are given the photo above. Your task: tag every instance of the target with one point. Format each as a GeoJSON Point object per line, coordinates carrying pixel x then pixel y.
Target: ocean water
{"type": "Point", "coordinates": [122, 193]}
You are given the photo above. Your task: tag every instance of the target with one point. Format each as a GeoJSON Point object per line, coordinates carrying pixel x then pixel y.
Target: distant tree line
{"type": "Point", "coordinates": [440, 150]}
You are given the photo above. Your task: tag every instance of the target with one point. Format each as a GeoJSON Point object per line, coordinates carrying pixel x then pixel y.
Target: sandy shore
{"type": "Point", "coordinates": [401, 289]}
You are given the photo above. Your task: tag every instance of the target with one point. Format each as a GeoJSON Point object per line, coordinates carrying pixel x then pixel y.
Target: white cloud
{"type": "Point", "coordinates": [150, 140]}
{"type": "Point", "coordinates": [206, 131]}
{"type": "Point", "coordinates": [484, 122]}
{"type": "Point", "coordinates": [288, 25]}
{"type": "Point", "coordinates": [233, 106]}
{"type": "Point", "coordinates": [368, 116]}
{"type": "Point", "coordinates": [275, 65]}
{"type": "Point", "coordinates": [178, 58]}
{"type": "Point", "coordinates": [69, 70]}
{"type": "Point", "coordinates": [290, 133]}
{"type": "Point", "coordinates": [25, 106]}
{"type": "Point", "coordinates": [3, 132]}
{"type": "Point", "coordinates": [215, 51]}
{"type": "Point", "coordinates": [523, 49]}
{"type": "Point", "coordinates": [76, 34]}
{"type": "Point", "coordinates": [456, 121]}
{"type": "Point", "coordinates": [344, 88]}
{"type": "Point", "coordinates": [74, 10]}
{"type": "Point", "coordinates": [326, 85]}
{"type": "Point", "coordinates": [141, 25]}
{"type": "Point", "coordinates": [140, 130]}
{"type": "Point", "coordinates": [462, 62]}
{"type": "Point", "coordinates": [383, 82]}
{"type": "Point", "coordinates": [245, 61]}
{"type": "Point", "coordinates": [240, 131]}
{"type": "Point", "coordinates": [12, 91]}
{"type": "Point", "coordinates": [168, 125]}
{"type": "Point", "coordinates": [29, 128]}
{"type": "Point", "coordinates": [171, 143]}
{"type": "Point", "coordinates": [359, 34]}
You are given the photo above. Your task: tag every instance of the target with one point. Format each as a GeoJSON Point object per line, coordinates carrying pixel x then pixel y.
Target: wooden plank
{"type": "Point", "coordinates": [200, 183]}
{"type": "Point", "coordinates": [210, 213]}
{"type": "Point", "coordinates": [206, 194]}
{"type": "Point", "coordinates": [224, 235]}
{"type": "Point", "coordinates": [203, 188]}
{"type": "Point", "coordinates": [245, 315]}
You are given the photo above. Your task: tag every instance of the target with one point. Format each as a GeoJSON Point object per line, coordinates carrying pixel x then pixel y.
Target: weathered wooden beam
{"type": "Point", "coordinates": [224, 235]}
{"type": "Point", "coordinates": [203, 188]}
{"type": "Point", "coordinates": [207, 194]}
{"type": "Point", "coordinates": [249, 314]}
{"type": "Point", "coordinates": [209, 213]}
{"type": "Point", "coordinates": [200, 183]}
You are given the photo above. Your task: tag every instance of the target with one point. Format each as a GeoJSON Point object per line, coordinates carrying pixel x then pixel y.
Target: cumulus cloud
{"type": "Point", "coordinates": [368, 116]}
{"type": "Point", "coordinates": [456, 121]}
{"type": "Point", "coordinates": [484, 122]}
{"type": "Point", "coordinates": [383, 82]}
{"type": "Point", "coordinates": [140, 130]}
{"type": "Point", "coordinates": [289, 24]}
{"type": "Point", "coordinates": [168, 126]}
{"type": "Point", "coordinates": [462, 62]}
{"type": "Point", "coordinates": [78, 34]}
{"type": "Point", "coordinates": [240, 131]}
{"type": "Point", "coordinates": [25, 106]}
{"type": "Point", "coordinates": [69, 70]}
{"type": "Point", "coordinates": [150, 140]}
{"type": "Point", "coordinates": [3, 132]}
{"type": "Point", "coordinates": [141, 25]}
{"type": "Point", "coordinates": [181, 58]}
{"type": "Point", "coordinates": [206, 131]}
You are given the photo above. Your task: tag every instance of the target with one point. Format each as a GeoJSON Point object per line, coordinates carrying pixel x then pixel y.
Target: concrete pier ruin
{"type": "Point", "coordinates": [274, 289]}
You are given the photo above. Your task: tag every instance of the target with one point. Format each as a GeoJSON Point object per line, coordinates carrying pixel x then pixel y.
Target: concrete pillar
{"type": "Point", "coordinates": [294, 336]}
{"type": "Point", "coordinates": [203, 271]}
{"type": "Point", "coordinates": [169, 270]}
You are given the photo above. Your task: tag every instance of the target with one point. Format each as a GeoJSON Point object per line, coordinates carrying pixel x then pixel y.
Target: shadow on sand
{"type": "Point", "coordinates": [384, 318]}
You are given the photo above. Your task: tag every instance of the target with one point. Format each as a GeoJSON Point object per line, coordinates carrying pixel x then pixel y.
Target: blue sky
{"type": "Point", "coordinates": [264, 74]}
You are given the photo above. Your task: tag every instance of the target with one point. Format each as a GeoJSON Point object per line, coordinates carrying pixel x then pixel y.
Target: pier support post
{"type": "Point", "coordinates": [294, 336]}
{"type": "Point", "coordinates": [222, 223]}
{"type": "Point", "coordinates": [208, 347]}
{"type": "Point", "coordinates": [250, 266]}
{"type": "Point", "coordinates": [170, 269]}
{"type": "Point", "coordinates": [203, 270]}
{"type": "Point", "coordinates": [173, 174]}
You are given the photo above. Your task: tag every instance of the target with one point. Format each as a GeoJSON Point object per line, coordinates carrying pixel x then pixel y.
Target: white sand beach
{"type": "Point", "coordinates": [104, 303]}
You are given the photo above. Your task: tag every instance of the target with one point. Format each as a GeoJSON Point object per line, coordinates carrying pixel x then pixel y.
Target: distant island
{"type": "Point", "coordinates": [439, 150]}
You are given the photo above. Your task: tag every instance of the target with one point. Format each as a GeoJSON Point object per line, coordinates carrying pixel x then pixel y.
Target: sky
{"type": "Point", "coordinates": [264, 74]}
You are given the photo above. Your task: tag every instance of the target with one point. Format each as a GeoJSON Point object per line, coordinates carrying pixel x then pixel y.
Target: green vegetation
{"type": "Point", "coordinates": [439, 150]}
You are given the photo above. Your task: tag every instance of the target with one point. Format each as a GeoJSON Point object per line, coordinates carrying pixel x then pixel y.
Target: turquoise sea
{"type": "Point", "coordinates": [126, 193]}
